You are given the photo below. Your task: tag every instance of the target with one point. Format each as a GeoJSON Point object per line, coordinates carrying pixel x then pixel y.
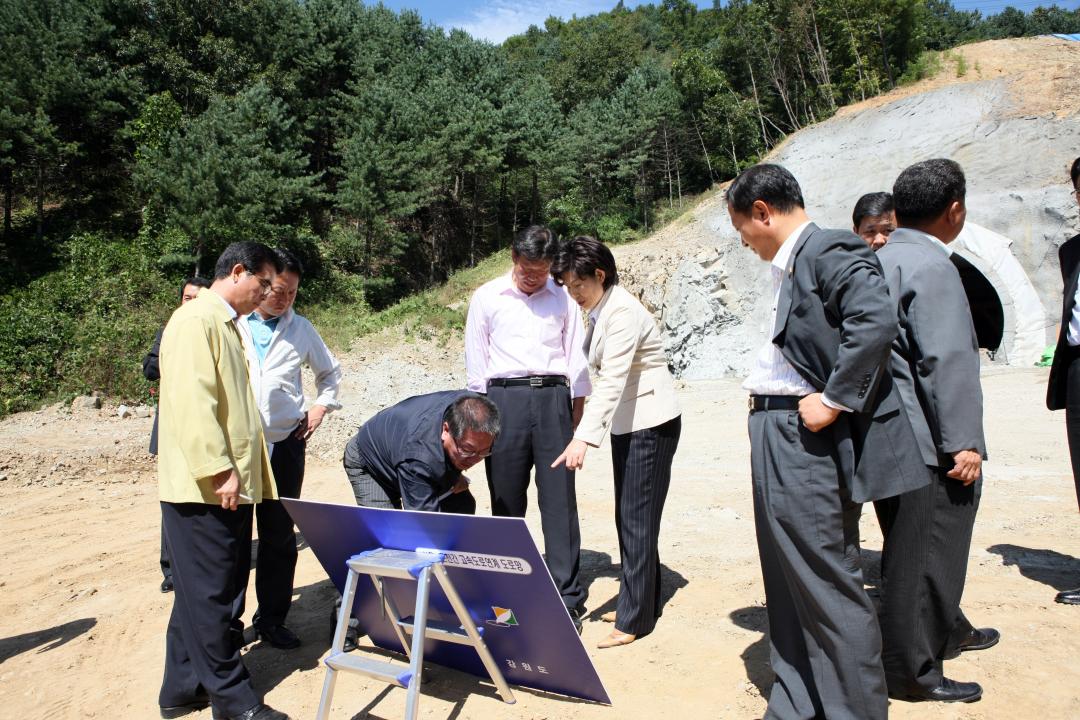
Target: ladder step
{"type": "Point", "coordinates": [439, 631]}
{"type": "Point", "coordinates": [387, 672]}
{"type": "Point", "coordinates": [385, 562]}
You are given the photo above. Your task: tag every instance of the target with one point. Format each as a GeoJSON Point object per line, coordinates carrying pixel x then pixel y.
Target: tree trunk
{"type": "Point", "coordinates": [822, 59]}
{"type": "Point", "coordinates": [757, 106]}
{"type": "Point", "coordinates": [708, 162]}
{"type": "Point", "coordinates": [534, 199]}
{"type": "Point", "coordinates": [367, 248]}
{"type": "Point", "coordinates": [40, 190]}
{"type": "Point", "coordinates": [475, 212]}
{"type": "Point", "coordinates": [667, 169]}
{"type": "Point", "coordinates": [885, 55]}
{"type": "Point", "coordinates": [858, 56]}
{"type": "Point", "coordinates": [8, 181]}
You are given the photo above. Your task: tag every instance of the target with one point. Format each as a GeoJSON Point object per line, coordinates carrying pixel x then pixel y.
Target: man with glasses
{"type": "Point", "coordinates": [1063, 391]}
{"type": "Point", "coordinates": [213, 467]}
{"type": "Point", "coordinates": [523, 347]}
{"type": "Point", "coordinates": [279, 342]}
{"type": "Point", "coordinates": [410, 456]}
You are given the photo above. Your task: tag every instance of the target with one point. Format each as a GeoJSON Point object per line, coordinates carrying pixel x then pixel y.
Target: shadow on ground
{"type": "Point", "coordinates": [596, 565]}
{"type": "Point", "coordinates": [44, 640]}
{"type": "Point", "coordinates": [1059, 571]}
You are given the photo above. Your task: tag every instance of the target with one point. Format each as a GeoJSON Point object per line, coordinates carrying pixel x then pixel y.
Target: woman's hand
{"type": "Point", "coordinates": [573, 455]}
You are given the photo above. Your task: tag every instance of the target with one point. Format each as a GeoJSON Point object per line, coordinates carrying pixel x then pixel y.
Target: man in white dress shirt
{"type": "Point", "coordinates": [523, 347]}
{"type": "Point", "coordinates": [827, 433]}
{"type": "Point", "coordinates": [279, 342]}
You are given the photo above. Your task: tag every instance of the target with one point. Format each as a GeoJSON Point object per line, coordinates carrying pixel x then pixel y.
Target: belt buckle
{"type": "Point", "coordinates": [536, 382]}
{"type": "Point", "coordinates": [750, 403]}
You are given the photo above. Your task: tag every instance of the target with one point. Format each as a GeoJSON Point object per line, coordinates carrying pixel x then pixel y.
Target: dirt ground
{"type": "Point", "coordinates": [82, 621]}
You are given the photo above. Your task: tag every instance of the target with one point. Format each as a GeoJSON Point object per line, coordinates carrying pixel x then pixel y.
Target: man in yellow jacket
{"type": "Point", "coordinates": [213, 467]}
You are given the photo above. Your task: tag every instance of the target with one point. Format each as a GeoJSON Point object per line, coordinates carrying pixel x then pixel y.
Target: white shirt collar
{"type": "Point", "coordinates": [548, 286]}
{"type": "Point", "coordinates": [230, 308]}
{"type": "Point", "coordinates": [931, 239]}
{"type": "Point", "coordinates": [783, 255]}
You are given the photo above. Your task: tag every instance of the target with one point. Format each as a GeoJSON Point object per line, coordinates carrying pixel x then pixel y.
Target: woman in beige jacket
{"type": "Point", "coordinates": [634, 399]}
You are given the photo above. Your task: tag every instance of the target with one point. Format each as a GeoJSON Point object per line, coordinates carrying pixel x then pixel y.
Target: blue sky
{"type": "Point", "coordinates": [495, 20]}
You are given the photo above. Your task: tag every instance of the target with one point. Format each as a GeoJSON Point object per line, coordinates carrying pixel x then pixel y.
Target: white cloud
{"type": "Point", "coordinates": [499, 19]}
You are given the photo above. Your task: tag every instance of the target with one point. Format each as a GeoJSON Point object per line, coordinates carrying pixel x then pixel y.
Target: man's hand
{"type": "Point", "coordinates": [577, 409]}
{"type": "Point", "coordinates": [461, 485]}
{"type": "Point", "coordinates": [573, 455]}
{"type": "Point", "coordinates": [967, 467]}
{"type": "Point", "coordinates": [227, 487]}
{"type": "Point", "coordinates": [815, 414]}
{"type": "Point", "coordinates": [311, 422]}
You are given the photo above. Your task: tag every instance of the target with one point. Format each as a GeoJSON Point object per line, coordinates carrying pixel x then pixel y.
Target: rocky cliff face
{"type": "Point", "coordinates": [1012, 122]}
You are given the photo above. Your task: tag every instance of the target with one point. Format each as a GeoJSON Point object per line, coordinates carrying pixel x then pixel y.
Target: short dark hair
{"type": "Point", "coordinates": [872, 205]}
{"type": "Point", "coordinates": [536, 242]}
{"type": "Point", "coordinates": [923, 191]}
{"type": "Point", "coordinates": [1074, 173]}
{"type": "Point", "coordinates": [583, 256]}
{"type": "Point", "coordinates": [772, 184]}
{"type": "Point", "coordinates": [252, 256]}
{"type": "Point", "coordinates": [197, 281]}
{"type": "Point", "coordinates": [289, 262]}
{"type": "Point", "coordinates": [472, 412]}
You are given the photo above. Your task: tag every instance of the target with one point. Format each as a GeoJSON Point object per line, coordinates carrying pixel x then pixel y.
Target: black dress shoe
{"type": "Point", "coordinates": [575, 615]}
{"type": "Point", "coordinates": [951, 691]}
{"type": "Point", "coordinates": [1068, 597]}
{"type": "Point", "coordinates": [352, 639]}
{"type": "Point", "coordinates": [279, 636]}
{"type": "Point", "coordinates": [166, 585]}
{"type": "Point", "coordinates": [199, 702]}
{"type": "Point", "coordinates": [977, 639]}
{"type": "Point", "coordinates": [259, 712]}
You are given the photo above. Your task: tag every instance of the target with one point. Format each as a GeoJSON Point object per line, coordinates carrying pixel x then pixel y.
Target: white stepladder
{"type": "Point", "coordinates": [402, 564]}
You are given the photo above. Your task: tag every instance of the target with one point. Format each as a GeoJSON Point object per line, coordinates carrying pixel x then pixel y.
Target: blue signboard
{"type": "Point", "coordinates": [495, 567]}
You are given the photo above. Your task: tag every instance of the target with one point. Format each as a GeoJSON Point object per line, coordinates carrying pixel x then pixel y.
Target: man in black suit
{"type": "Point", "coordinates": [188, 290]}
{"type": "Point", "coordinates": [1063, 390]}
{"type": "Point", "coordinates": [935, 364]}
{"type": "Point", "coordinates": [411, 455]}
{"type": "Point", "coordinates": [827, 433]}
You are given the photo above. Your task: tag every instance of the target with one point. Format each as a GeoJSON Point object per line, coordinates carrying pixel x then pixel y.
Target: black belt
{"type": "Point", "coordinates": [535, 381]}
{"type": "Point", "coordinates": [773, 402]}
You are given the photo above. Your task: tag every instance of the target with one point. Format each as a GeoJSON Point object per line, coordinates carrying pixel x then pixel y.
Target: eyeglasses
{"type": "Point", "coordinates": [470, 454]}
{"type": "Point", "coordinates": [265, 284]}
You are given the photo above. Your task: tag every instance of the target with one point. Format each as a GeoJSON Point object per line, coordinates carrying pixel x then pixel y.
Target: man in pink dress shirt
{"type": "Point", "coordinates": [523, 347]}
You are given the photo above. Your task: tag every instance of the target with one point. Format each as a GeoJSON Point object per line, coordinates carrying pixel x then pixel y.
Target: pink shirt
{"type": "Point", "coordinates": [511, 334]}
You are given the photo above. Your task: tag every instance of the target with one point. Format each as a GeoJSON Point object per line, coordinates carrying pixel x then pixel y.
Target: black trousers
{"type": "Point", "coordinates": [1072, 416]}
{"type": "Point", "coordinates": [642, 466]}
{"type": "Point", "coordinates": [370, 493]}
{"type": "Point", "coordinates": [536, 424]}
{"type": "Point", "coordinates": [275, 565]}
{"type": "Point", "coordinates": [166, 569]}
{"type": "Point", "coordinates": [923, 568]}
{"type": "Point", "coordinates": [211, 558]}
{"type": "Point", "coordinates": [824, 642]}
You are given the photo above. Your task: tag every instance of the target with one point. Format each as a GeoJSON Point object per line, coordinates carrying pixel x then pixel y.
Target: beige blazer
{"type": "Point", "coordinates": [633, 389]}
{"type": "Point", "coordinates": [207, 415]}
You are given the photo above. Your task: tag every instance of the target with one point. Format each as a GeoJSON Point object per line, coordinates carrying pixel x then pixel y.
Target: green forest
{"type": "Point", "coordinates": [139, 137]}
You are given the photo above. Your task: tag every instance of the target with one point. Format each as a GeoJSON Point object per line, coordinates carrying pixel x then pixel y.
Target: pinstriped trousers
{"type": "Point", "coordinates": [642, 464]}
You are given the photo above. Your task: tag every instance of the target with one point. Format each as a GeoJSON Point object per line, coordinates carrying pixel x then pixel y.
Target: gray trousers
{"type": "Point", "coordinates": [825, 646]}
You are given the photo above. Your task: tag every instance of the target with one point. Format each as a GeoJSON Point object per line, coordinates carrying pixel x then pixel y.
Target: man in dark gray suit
{"type": "Point", "coordinates": [935, 365]}
{"type": "Point", "coordinates": [827, 432]}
